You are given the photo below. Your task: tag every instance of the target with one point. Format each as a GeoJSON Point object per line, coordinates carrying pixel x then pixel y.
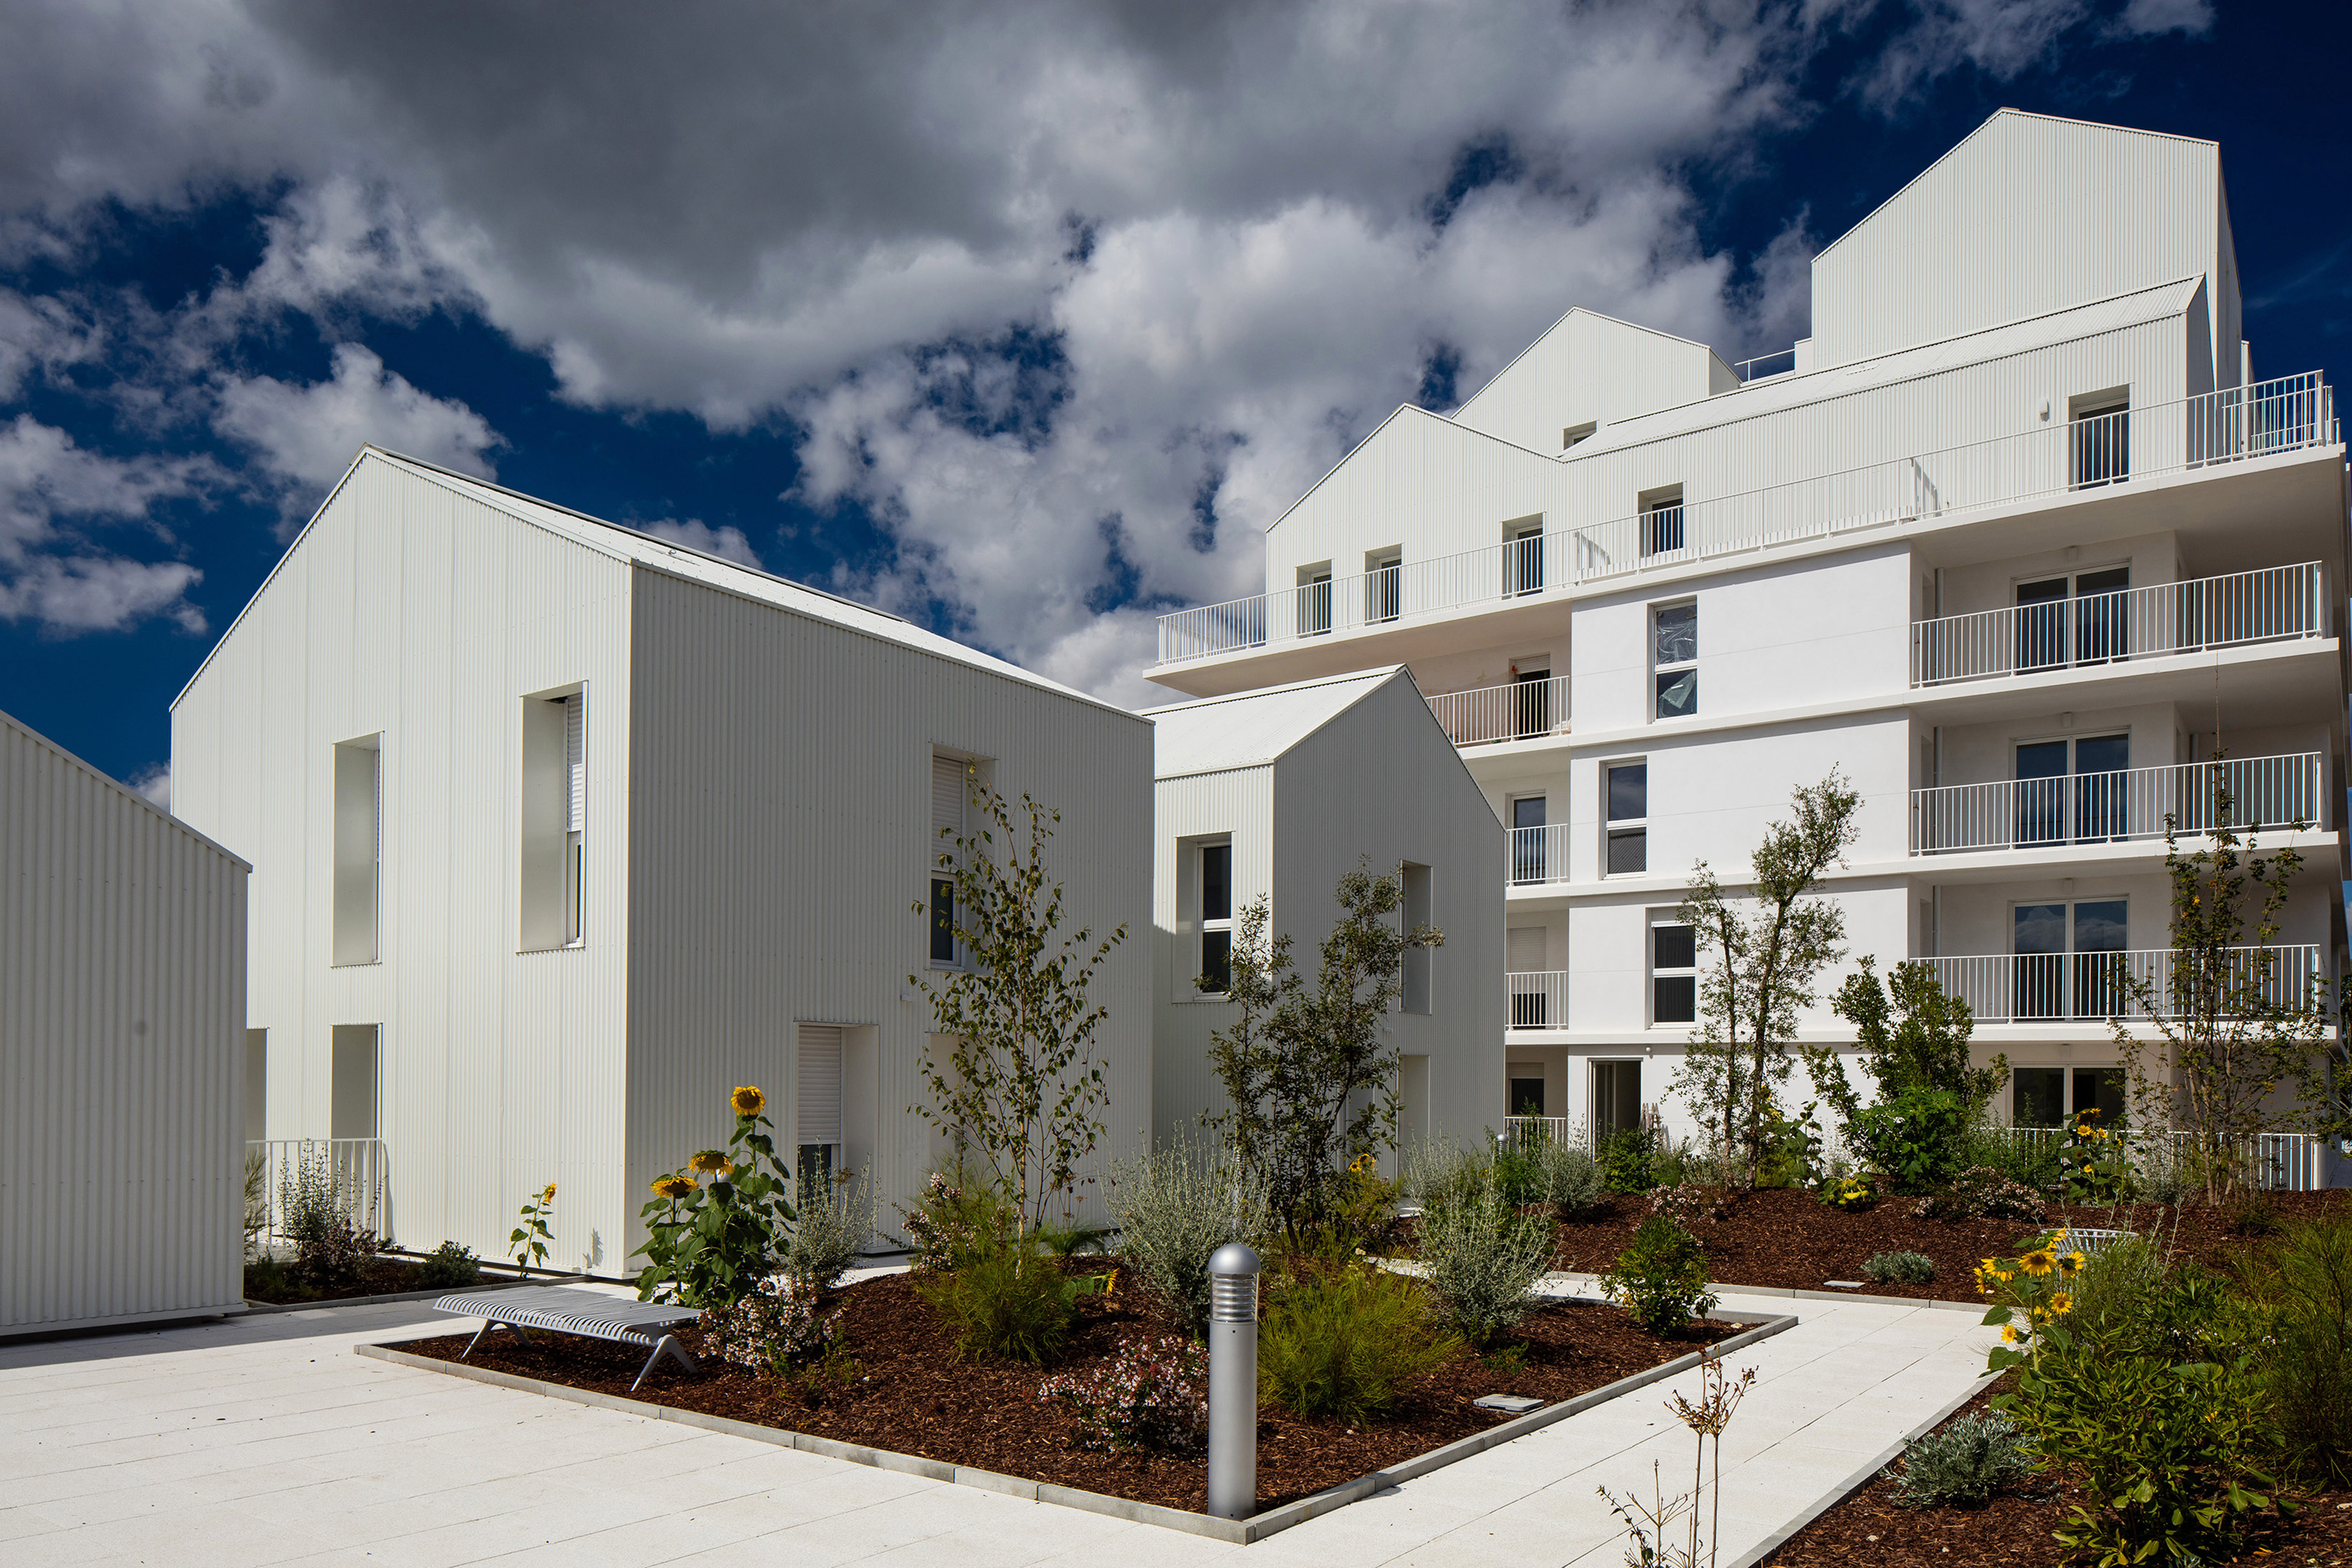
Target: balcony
{"type": "Point", "coordinates": [2265, 419]}
{"type": "Point", "coordinates": [1537, 853]}
{"type": "Point", "coordinates": [353, 1174]}
{"type": "Point", "coordinates": [1538, 998]}
{"type": "Point", "coordinates": [2210, 612]}
{"type": "Point", "coordinates": [2094, 987]}
{"type": "Point", "coordinates": [1522, 710]}
{"type": "Point", "coordinates": [2112, 807]}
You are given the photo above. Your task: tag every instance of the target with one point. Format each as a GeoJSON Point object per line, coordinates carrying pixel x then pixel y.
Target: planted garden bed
{"type": "Point", "coordinates": [1786, 1238]}
{"type": "Point", "coordinates": [908, 1392]}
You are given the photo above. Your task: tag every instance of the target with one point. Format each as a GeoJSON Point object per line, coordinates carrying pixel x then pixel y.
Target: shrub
{"type": "Point", "coordinates": [1851, 1194]}
{"type": "Point", "coordinates": [448, 1267]}
{"type": "Point", "coordinates": [2304, 1286]}
{"type": "Point", "coordinates": [1573, 1182]}
{"type": "Point", "coordinates": [776, 1330]}
{"type": "Point", "coordinates": [256, 1201]}
{"type": "Point", "coordinates": [1627, 1157]}
{"type": "Point", "coordinates": [2254, 1214]}
{"type": "Point", "coordinates": [710, 1246]}
{"type": "Point", "coordinates": [2032, 1164]}
{"type": "Point", "coordinates": [1661, 1277]}
{"type": "Point", "coordinates": [267, 1278]}
{"type": "Point", "coordinates": [957, 1221]}
{"type": "Point", "coordinates": [1913, 1138]}
{"type": "Point", "coordinates": [1899, 1268]}
{"type": "Point", "coordinates": [1791, 1149]}
{"type": "Point", "coordinates": [1982, 1192]}
{"type": "Point", "coordinates": [2095, 1164]}
{"type": "Point", "coordinates": [1690, 1202]}
{"type": "Point", "coordinates": [1341, 1343]}
{"type": "Point", "coordinates": [328, 1264]}
{"type": "Point", "coordinates": [1481, 1259]}
{"type": "Point", "coordinates": [1150, 1395]}
{"type": "Point", "coordinates": [1175, 1207]}
{"type": "Point", "coordinates": [1966, 1463]}
{"type": "Point", "coordinates": [311, 1196]}
{"type": "Point", "coordinates": [1010, 1305]}
{"type": "Point", "coordinates": [832, 1220]}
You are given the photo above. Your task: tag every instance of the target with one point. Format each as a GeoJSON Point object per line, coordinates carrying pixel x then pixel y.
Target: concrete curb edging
{"type": "Point", "coordinates": [1784, 1290]}
{"type": "Point", "coordinates": [1237, 1531]}
{"type": "Point", "coordinates": [1860, 1478]}
{"type": "Point", "coordinates": [258, 1308]}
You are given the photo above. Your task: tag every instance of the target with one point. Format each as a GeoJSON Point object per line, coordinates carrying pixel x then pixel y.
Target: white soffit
{"type": "Point", "coordinates": [1252, 729]}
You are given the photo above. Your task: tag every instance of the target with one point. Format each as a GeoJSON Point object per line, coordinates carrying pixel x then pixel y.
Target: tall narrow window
{"type": "Point", "coordinates": [353, 1109]}
{"type": "Point", "coordinates": [1529, 861]}
{"type": "Point", "coordinates": [1315, 600]}
{"type": "Point", "coordinates": [1530, 698]}
{"type": "Point", "coordinates": [359, 847]}
{"type": "Point", "coordinates": [1383, 585]}
{"type": "Point", "coordinates": [1661, 520]}
{"type": "Point", "coordinates": [1216, 883]}
{"type": "Point", "coordinates": [2101, 430]}
{"type": "Point", "coordinates": [257, 1085]}
{"type": "Point", "coordinates": [951, 786]}
{"type": "Point", "coordinates": [1523, 960]}
{"type": "Point", "coordinates": [1523, 557]}
{"type": "Point", "coordinates": [1673, 974]}
{"type": "Point", "coordinates": [1674, 655]}
{"type": "Point", "coordinates": [816, 1115]}
{"type": "Point", "coordinates": [1629, 812]}
{"type": "Point", "coordinates": [1419, 989]}
{"type": "Point", "coordinates": [554, 830]}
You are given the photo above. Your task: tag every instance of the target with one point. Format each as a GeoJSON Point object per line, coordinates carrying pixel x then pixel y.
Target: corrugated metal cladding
{"type": "Point", "coordinates": [782, 788]}
{"type": "Point", "coordinates": [411, 611]}
{"type": "Point", "coordinates": [1238, 804]}
{"type": "Point", "coordinates": [2029, 215]}
{"type": "Point", "coordinates": [121, 1051]}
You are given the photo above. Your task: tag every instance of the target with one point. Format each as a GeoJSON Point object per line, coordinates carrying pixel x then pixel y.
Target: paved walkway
{"type": "Point", "coordinates": [264, 1440]}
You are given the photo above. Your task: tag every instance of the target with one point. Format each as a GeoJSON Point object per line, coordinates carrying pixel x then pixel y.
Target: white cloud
{"type": "Point", "coordinates": [54, 499]}
{"type": "Point", "coordinates": [156, 784]}
{"type": "Point", "coordinates": [308, 433]}
{"type": "Point", "coordinates": [727, 543]}
{"type": "Point", "coordinates": [2152, 17]}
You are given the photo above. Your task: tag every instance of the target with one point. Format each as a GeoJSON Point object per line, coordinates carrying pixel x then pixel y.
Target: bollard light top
{"type": "Point", "coordinates": [1234, 1258]}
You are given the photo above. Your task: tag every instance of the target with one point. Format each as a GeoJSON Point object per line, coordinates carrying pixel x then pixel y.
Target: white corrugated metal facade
{"type": "Point", "coordinates": [123, 946]}
{"type": "Point", "coordinates": [731, 870]}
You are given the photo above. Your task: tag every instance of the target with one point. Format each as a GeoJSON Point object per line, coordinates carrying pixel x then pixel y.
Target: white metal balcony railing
{"type": "Point", "coordinates": [1538, 998]}
{"type": "Point", "coordinates": [2093, 987]}
{"type": "Point", "coordinates": [1522, 710]}
{"type": "Point", "coordinates": [1521, 1130]}
{"type": "Point", "coordinates": [2276, 1161]}
{"type": "Point", "coordinates": [2277, 603]}
{"type": "Point", "coordinates": [355, 1172]}
{"type": "Point", "coordinates": [2266, 418]}
{"type": "Point", "coordinates": [2100, 808]}
{"type": "Point", "coordinates": [1537, 853]}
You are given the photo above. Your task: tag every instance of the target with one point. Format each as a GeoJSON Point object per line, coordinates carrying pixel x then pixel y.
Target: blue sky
{"type": "Point", "coordinates": [1022, 322]}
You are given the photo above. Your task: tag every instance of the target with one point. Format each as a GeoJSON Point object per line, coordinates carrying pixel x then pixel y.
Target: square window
{"type": "Point", "coordinates": [1629, 792]}
{"type": "Point", "coordinates": [1673, 974]}
{"type": "Point", "coordinates": [1629, 851]}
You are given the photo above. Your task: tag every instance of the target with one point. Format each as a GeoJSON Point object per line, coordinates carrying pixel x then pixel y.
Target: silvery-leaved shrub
{"type": "Point", "coordinates": [830, 1221]}
{"type": "Point", "coordinates": [1965, 1464]}
{"type": "Point", "coordinates": [1481, 1258]}
{"type": "Point", "coordinates": [1899, 1268]}
{"type": "Point", "coordinates": [1176, 1205]}
{"type": "Point", "coordinates": [1573, 1182]}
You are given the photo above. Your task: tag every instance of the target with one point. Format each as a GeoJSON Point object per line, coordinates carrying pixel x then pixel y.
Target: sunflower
{"type": "Point", "coordinates": [709, 1162]}
{"type": "Point", "coordinates": [2074, 1262]}
{"type": "Point", "coordinates": [549, 1195]}
{"type": "Point", "coordinates": [747, 1101]}
{"type": "Point", "coordinates": [2038, 1262]}
{"type": "Point", "coordinates": [672, 1187]}
{"type": "Point", "coordinates": [2061, 1304]}
{"type": "Point", "coordinates": [2009, 1333]}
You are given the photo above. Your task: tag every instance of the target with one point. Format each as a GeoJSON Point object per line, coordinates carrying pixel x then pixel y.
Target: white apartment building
{"type": "Point", "coordinates": [1279, 793]}
{"type": "Point", "coordinates": [2011, 539]}
{"type": "Point", "coordinates": [559, 832]}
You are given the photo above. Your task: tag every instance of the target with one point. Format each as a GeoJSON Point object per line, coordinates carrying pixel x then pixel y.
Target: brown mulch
{"type": "Point", "coordinates": [2014, 1530]}
{"type": "Point", "coordinates": [1787, 1238]}
{"type": "Point", "coordinates": [911, 1396]}
{"type": "Point", "coordinates": [381, 1277]}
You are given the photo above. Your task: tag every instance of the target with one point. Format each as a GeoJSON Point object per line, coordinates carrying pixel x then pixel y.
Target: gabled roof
{"type": "Point", "coordinates": [1252, 729]}
{"type": "Point", "coordinates": [39, 741]}
{"type": "Point", "coordinates": [622, 543]}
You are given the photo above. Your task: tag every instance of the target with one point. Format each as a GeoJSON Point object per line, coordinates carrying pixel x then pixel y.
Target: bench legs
{"type": "Point", "coordinates": [488, 1324]}
{"type": "Point", "coordinates": [668, 1342]}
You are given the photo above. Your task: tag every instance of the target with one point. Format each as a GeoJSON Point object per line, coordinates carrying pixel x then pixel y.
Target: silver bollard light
{"type": "Point", "coordinates": [1233, 1381]}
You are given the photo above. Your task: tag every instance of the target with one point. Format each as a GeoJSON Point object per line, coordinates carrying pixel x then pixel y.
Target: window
{"type": "Point", "coordinates": [257, 1085]}
{"type": "Point", "coordinates": [1674, 659]}
{"type": "Point", "coordinates": [1383, 585]}
{"type": "Point", "coordinates": [1628, 789]}
{"type": "Point", "coordinates": [952, 780]}
{"type": "Point", "coordinates": [2101, 438]}
{"type": "Point", "coordinates": [1523, 959]}
{"type": "Point", "coordinates": [1673, 974]}
{"type": "Point", "coordinates": [1575, 432]}
{"type": "Point", "coordinates": [1216, 884]}
{"type": "Point", "coordinates": [1616, 1099]}
{"type": "Point", "coordinates": [2038, 1097]}
{"type": "Point", "coordinates": [2056, 978]}
{"type": "Point", "coordinates": [816, 1112]}
{"type": "Point", "coordinates": [1418, 977]}
{"type": "Point", "coordinates": [554, 825]}
{"type": "Point", "coordinates": [1528, 846]}
{"type": "Point", "coordinates": [1530, 698]}
{"type": "Point", "coordinates": [1523, 556]}
{"type": "Point", "coordinates": [352, 1106]}
{"type": "Point", "coordinates": [2084, 618]}
{"type": "Point", "coordinates": [359, 847]}
{"type": "Point", "coordinates": [2073, 789]}
{"type": "Point", "coordinates": [1661, 520]}
{"type": "Point", "coordinates": [1526, 1093]}
{"type": "Point", "coordinates": [1315, 600]}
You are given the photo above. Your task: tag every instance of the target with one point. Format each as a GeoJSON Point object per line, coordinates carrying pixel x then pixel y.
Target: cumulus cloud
{"type": "Point", "coordinates": [56, 500]}
{"type": "Point", "coordinates": [727, 543]}
{"type": "Point", "coordinates": [156, 784]}
{"type": "Point", "coordinates": [307, 435]}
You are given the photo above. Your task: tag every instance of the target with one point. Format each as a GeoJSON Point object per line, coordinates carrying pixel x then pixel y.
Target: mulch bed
{"type": "Point", "coordinates": [2014, 1531]}
{"type": "Point", "coordinates": [912, 1396]}
{"type": "Point", "coordinates": [1787, 1238]}
{"type": "Point", "coordinates": [381, 1277]}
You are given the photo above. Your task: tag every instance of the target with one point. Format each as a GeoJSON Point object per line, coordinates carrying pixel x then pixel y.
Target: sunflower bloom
{"type": "Point", "coordinates": [2038, 1263]}
{"type": "Point", "coordinates": [709, 1162]}
{"type": "Point", "coordinates": [2061, 1303]}
{"type": "Point", "coordinates": [672, 1187]}
{"type": "Point", "coordinates": [2074, 1261]}
{"type": "Point", "coordinates": [549, 1195]}
{"type": "Point", "coordinates": [747, 1101]}
{"type": "Point", "coordinates": [2009, 1333]}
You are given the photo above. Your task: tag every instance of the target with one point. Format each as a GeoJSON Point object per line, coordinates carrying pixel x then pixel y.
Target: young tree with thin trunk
{"type": "Point", "coordinates": [1768, 945]}
{"type": "Point", "coordinates": [1022, 1087]}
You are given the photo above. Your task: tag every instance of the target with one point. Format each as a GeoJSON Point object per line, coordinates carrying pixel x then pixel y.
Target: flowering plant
{"type": "Point", "coordinates": [953, 1224]}
{"type": "Point", "coordinates": [776, 1330]}
{"type": "Point", "coordinates": [1982, 1192]}
{"type": "Point", "coordinates": [1150, 1395]}
{"type": "Point", "coordinates": [2097, 1169]}
{"type": "Point", "coordinates": [1691, 1203]}
{"type": "Point", "coordinates": [710, 1246]}
{"type": "Point", "coordinates": [530, 1237]}
{"type": "Point", "coordinates": [1851, 1194]}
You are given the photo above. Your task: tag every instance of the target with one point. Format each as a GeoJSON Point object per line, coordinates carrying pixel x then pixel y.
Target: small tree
{"type": "Point", "coordinates": [2229, 1030]}
{"type": "Point", "coordinates": [1022, 1087]}
{"type": "Point", "coordinates": [1765, 962]}
{"type": "Point", "coordinates": [1914, 1035]}
{"type": "Point", "coordinates": [1309, 1086]}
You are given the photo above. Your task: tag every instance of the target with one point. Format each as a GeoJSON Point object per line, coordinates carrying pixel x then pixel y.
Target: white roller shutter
{"type": "Point", "coordinates": [819, 1114]}
{"type": "Point", "coordinates": [1524, 953]}
{"type": "Point", "coordinates": [947, 800]}
{"type": "Point", "coordinates": [575, 761]}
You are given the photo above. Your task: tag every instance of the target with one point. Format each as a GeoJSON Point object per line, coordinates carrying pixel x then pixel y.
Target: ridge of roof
{"type": "Point", "coordinates": [119, 787]}
{"type": "Point", "coordinates": [1284, 718]}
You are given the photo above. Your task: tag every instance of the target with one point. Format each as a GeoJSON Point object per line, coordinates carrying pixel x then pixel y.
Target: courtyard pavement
{"type": "Point", "coordinates": [265, 1440]}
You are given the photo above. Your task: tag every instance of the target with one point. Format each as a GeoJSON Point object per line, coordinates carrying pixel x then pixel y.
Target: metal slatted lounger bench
{"type": "Point", "coordinates": [2091, 1243]}
{"type": "Point", "coordinates": [564, 1310]}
